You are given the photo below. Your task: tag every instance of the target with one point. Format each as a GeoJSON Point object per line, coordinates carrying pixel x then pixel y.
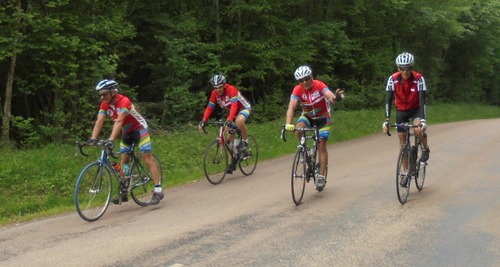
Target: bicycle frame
{"type": "Point", "coordinates": [215, 160]}
{"type": "Point", "coordinates": [409, 163]}
{"type": "Point", "coordinates": [94, 187]}
{"type": "Point", "coordinates": [304, 147]}
{"type": "Point", "coordinates": [222, 139]}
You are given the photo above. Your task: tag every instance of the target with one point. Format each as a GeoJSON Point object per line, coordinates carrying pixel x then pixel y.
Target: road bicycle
{"type": "Point", "coordinates": [409, 162]}
{"type": "Point", "coordinates": [306, 162]}
{"type": "Point", "coordinates": [94, 186]}
{"type": "Point", "coordinates": [221, 154]}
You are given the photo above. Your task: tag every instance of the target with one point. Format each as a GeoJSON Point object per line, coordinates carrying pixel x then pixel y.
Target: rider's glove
{"type": "Point", "coordinates": [92, 141]}
{"type": "Point", "coordinates": [201, 125]}
{"type": "Point", "coordinates": [423, 124]}
{"type": "Point", "coordinates": [109, 143]}
{"type": "Point", "coordinates": [230, 124]}
{"type": "Point", "coordinates": [289, 127]}
{"type": "Point", "coordinates": [385, 125]}
{"type": "Point", "coordinates": [339, 95]}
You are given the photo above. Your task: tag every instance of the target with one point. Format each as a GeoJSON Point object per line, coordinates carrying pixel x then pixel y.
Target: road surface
{"type": "Point", "coordinates": [252, 221]}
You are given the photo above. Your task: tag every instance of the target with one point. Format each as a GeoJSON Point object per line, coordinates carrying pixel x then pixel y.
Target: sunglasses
{"type": "Point", "coordinates": [105, 94]}
{"type": "Point", "coordinates": [305, 79]}
{"type": "Point", "coordinates": [405, 68]}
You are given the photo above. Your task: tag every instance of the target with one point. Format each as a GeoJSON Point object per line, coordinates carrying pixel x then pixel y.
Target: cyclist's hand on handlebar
{"type": "Point", "coordinates": [230, 124]}
{"type": "Point", "coordinates": [339, 95]}
{"type": "Point", "coordinates": [385, 125]}
{"type": "Point", "coordinates": [201, 126]}
{"type": "Point", "coordinates": [91, 141]}
{"type": "Point", "coordinates": [289, 127]}
{"type": "Point", "coordinates": [423, 125]}
{"type": "Point", "coordinates": [109, 143]}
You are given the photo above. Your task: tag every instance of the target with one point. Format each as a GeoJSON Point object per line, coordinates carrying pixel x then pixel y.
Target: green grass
{"type": "Point", "coordinates": [40, 182]}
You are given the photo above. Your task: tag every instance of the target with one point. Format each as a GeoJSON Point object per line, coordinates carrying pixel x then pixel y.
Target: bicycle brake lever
{"type": "Point", "coordinates": [283, 131]}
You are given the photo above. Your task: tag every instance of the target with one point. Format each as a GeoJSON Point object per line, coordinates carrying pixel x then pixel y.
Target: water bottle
{"type": "Point", "coordinates": [118, 169]}
{"type": "Point", "coordinates": [126, 170]}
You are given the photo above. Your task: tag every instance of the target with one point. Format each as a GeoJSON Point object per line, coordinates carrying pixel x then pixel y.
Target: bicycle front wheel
{"type": "Point", "coordinates": [299, 175]}
{"type": "Point", "coordinates": [93, 191]}
{"type": "Point", "coordinates": [421, 169]}
{"type": "Point", "coordinates": [248, 163]}
{"type": "Point", "coordinates": [215, 162]}
{"type": "Point", "coordinates": [402, 185]}
{"type": "Point", "coordinates": [143, 184]}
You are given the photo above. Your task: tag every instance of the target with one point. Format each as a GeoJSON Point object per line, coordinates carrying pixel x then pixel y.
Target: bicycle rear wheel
{"type": "Point", "coordinates": [299, 175]}
{"type": "Point", "coordinates": [421, 170]}
{"type": "Point", "coordinates": [143, 185]}
{"type": "Point", "coordinates": [93, 191]}
{"type": "Point", "coordinates": [249, 161]}
{"type": "Point", "coordinates": [215, 162]}
{"type": "Point", "coordinates": [403, 190]}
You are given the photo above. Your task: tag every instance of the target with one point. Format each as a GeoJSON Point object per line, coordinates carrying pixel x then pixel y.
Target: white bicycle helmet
{"type": "Point", "coordinates": [218, 80]}
{"type": "Point", "coordinates": [107, 85]}
{"type": "Point", "coordinates": [404, 60]}
{"type": "Point", "coordinates": [302, 71]}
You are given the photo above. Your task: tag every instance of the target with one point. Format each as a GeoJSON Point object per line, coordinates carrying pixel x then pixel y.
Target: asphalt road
{"type": "Point", "coordinates": [252, 221]}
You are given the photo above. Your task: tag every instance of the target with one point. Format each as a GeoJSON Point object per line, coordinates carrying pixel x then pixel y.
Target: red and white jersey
{"type": "Point", "coordinates": [123, 104]}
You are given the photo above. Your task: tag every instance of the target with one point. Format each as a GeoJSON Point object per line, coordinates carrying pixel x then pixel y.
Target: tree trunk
{"type": "Point", "coordinates": [5, 138]}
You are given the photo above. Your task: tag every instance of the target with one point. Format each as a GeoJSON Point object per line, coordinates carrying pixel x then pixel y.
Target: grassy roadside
{"type": "Point", "coordinates": [39, 182]}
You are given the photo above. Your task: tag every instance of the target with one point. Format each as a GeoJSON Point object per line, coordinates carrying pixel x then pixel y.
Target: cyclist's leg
{"type": "Point", "coordinates": [302, 122]}
{"type": "Point", "coordinates": [126, 147]}
{"type": "Point", "coordinates": [420, 135]}
{"type": "Point", "coordinates": [241, 120]}
{"type": "Point", "coordinates": [324, 126]}
{"type": "Point", "coordinates": [146, 153]}
{"type": "Point", "coordinates": [402, 117]}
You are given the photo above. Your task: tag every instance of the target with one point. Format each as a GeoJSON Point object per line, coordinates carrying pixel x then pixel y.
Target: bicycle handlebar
{"type": "Point", "coordinates": [404, 125]}
{"type": "Point", "coordinates": [304, 129]}
{"type": "Point", "coordinates": [101, 143]}
{"type": "Point", "coordinates": [220, 123]}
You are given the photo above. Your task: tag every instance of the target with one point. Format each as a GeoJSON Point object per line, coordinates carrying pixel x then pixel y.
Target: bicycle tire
{"type": "Point", "coordinates": [402, 191]}
{"type": "Point", "coordinates": [93, 191]}
{"type": "Point", "coordinates": [421, 169]}
{"type": "Point", "coordinates": [249, 163]}
{"type": "Point", "coordinates": [299, 176]}
{"type": "Point", "coordinates": [143, 185]}
{"type": "Point", "coordinates": [215, 162]}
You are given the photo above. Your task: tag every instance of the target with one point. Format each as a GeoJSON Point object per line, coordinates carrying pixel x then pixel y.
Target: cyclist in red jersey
{"type": "Point", "coordinates": [408, 91]}
{"type": "Point", "coordinates": [315, 98]}
{"type": "Point", "coordinates": [228, 97]}
{"type": "Point", "coordinates": [133, 128]}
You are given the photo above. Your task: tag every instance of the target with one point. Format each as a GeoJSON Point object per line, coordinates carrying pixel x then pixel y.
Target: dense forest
{"type": "Point", "coordinates": [163, 52]}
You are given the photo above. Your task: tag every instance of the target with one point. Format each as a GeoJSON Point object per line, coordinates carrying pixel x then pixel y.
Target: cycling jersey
{"type": "Point", "coordinates": [231, 99]}
{"type": "Point", "coordinates": [132, 121]}
{"type": "Point", "coordinates": [314, 104]}
{"type": "Point", "coordinates": [407, 94]}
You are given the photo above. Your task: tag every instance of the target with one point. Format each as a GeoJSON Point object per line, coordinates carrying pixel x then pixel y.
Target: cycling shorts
{"type": "Point", "coordinates": [322, 124]}
{"type": "Point", "coordinates": [403, 116]}
{"type": "Point", "coordinates": [140, 137]}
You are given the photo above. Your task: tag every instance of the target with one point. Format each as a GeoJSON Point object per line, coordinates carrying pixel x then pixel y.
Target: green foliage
{"type": "Point", "coordinates": [163, 53]}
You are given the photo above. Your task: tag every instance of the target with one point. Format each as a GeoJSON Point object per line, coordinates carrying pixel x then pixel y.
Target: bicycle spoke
{"type": "Point", "coordinates": [403, 188]}
{"type": "Point", "coordinates": [250, 157]}
{"type": "Point", "coordinates": [142, 182]}
{"type": "Point", "coordinates": [93, 191]}
{"type": "Point", "coordinates": [299, 176]}
{"type": "Point", "coordinates": [215, 162]}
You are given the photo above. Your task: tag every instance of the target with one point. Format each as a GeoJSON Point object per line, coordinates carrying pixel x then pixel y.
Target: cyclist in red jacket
{"type": "Point", "coordinates": [408, 91]}
{"type": "Point", "coordinates": [133, 128]}
{"type": "Point", "coordinates": [228, 97]}
{"type": "Point", "coordinates": [315, 98]}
